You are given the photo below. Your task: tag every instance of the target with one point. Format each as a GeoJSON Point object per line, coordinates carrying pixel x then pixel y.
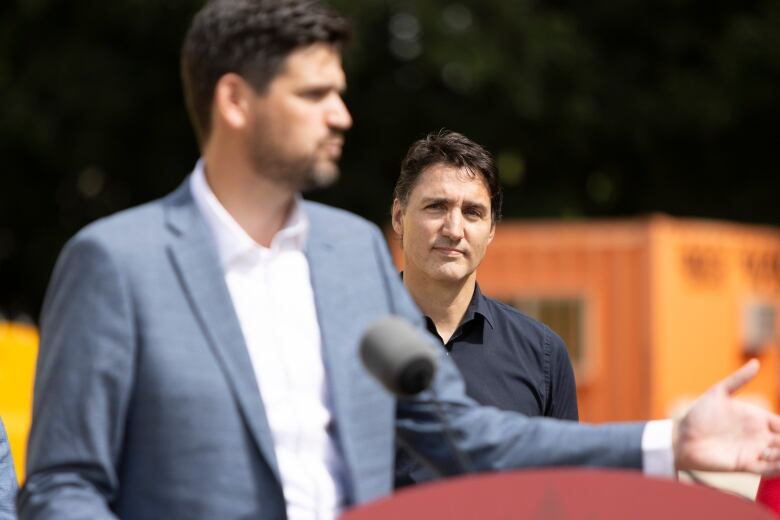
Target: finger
{"type": "Point", "coordinates": [763, 462]}
{"type": "Point", "coordinates": [770, 454]}
{"type": "Point", "coordinates": [740, 378]}
{"type": "Point", "coordinates": [766, 461]}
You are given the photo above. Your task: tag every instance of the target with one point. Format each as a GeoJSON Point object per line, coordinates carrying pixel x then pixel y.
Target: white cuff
{"type": "Point", "coordinates": [657, 452]}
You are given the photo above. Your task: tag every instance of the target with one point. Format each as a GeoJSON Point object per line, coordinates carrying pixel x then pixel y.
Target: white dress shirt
{"type": "Point", "coordinates": [273, 298]}
{"type": "Point", "coordinates": [657, 453]}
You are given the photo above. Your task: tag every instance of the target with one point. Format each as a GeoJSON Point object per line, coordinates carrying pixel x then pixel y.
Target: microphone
{"type": "Point", "coordinates": [404, 362]}
{"type": "Point", "coordinates": [398, 356]}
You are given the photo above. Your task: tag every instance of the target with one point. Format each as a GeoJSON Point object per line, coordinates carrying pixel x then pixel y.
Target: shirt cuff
{"type": "Point", "coordinates": [657, 453]}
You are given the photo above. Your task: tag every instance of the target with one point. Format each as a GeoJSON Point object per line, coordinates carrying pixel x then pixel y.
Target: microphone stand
{"type": "Point", "coordinates": [464, 462]}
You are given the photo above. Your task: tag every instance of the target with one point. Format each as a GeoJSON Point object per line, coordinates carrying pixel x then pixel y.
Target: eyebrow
{"type": "Point", "coordinates": [322, 87]}
{"type": "Point", "coordinates": [428, 200]}
{"type": "Point", "coordinates": [466, 203]}
{"type": "Point", "coordinates": [476, 205]}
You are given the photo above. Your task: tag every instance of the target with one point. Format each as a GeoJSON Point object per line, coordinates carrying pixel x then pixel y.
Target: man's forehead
{"type": "Point", "coordinates": [315, 62]}
{"type": "Point", "coordinates": [443, 180]}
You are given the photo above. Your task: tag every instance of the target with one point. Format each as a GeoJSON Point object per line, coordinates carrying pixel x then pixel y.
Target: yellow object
{"type": "Point", "coordinates": [18, 352]}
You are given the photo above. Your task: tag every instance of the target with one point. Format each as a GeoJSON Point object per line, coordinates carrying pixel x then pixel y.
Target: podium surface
{"type": "Point", "coordinates": [559, 494]}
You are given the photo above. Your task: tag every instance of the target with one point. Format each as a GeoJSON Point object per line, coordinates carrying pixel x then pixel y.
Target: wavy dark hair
{"type": "Point", "coordinates": [250, 38]}
{"type": "Point", "coordinates": [454, 149]}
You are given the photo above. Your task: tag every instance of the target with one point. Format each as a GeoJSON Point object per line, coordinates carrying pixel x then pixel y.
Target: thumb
{"type": "Point", "coordinates": [740, 377]}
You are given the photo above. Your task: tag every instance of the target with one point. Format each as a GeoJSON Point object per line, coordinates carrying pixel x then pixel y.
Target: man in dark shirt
{"type": "Point", "coordinates": [446, 205]}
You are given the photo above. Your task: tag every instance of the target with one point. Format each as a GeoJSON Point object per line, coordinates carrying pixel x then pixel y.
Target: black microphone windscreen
{"type": "Point", "coordinates": [398, 355]}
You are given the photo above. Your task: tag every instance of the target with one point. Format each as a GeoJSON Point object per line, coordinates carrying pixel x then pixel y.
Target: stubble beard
{"type": "Point", "coordinates": [301, 173]}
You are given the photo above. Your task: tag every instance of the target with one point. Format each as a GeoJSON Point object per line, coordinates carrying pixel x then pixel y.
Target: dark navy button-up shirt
{"type": "Point", "coordinates": [511, 361]}
{"type": "Point", "coordinates": [508, 360]}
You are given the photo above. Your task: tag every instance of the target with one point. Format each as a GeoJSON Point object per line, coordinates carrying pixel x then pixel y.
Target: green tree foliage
{"type": "Point", "coordinates": [592, 108]}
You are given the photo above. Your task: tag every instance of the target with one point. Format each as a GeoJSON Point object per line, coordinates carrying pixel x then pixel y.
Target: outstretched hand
{"type": "Point", "coordinates": [720, 433]}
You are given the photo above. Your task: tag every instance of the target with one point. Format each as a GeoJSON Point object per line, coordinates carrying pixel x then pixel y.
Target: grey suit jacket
{"type": "Point", "coordinates": [7, 478]}
{"type": "Point", "coordinates": [146, 404]}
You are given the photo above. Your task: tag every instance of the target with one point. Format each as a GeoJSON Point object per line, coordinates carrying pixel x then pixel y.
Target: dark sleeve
{"type": "Point", "coordinates": [562, 401]}
{"type": "Point", "coordinates": [492, 439]}
{"type": "Point", "coordinates": [7, 479]}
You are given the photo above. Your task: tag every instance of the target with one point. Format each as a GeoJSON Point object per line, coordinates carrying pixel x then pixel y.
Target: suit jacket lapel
{"type": "Point", "coordinates": [194, 255]}
{"type": "Point", "coordinates": [335, 316]}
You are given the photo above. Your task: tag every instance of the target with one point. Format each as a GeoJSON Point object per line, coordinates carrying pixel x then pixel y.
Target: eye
{"type": "Point", "coordinates": [474, 212]}
{"type": "Point", "coordinates": [315, 94]}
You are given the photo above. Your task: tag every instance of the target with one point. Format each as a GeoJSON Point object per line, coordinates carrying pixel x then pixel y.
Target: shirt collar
{"type": "Point", "coordinates": [233, 243]}
{"type": "Point", "coordinates": [478, 305]}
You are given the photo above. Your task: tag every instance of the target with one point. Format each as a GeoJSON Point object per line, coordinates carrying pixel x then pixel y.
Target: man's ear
{"type": "Point", "coordinates": [232, 101]}
{"type": "Point", "coordinates": [492, 231]}
{"type": "Point", "coordinates": [398, 218]}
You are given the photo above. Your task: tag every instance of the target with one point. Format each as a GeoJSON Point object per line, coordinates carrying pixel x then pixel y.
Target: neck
{"type": "Point", "coordinates": [258, 204]}
{"type": "Point", "coordinates": [445, 303]}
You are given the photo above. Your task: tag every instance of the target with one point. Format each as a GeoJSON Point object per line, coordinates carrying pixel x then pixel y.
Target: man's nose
{"type": "Point", "coordinates": [338, 115]}
{"type": "Point", "coordinates": [452, 227]}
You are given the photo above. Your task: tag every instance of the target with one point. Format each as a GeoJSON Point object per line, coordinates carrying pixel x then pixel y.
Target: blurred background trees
{"type": "Point", "coordinates": [593, 109]}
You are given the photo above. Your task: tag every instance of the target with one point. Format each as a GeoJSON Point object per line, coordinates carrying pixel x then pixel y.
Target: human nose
{"type": "Point", "coordinates": [452, 226]}
{"type": "Point", "coordinates": [338, 115]}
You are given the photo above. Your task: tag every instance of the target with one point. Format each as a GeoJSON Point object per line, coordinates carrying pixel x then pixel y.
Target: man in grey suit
{"type": "Point", "coordinates": [7, 478]}
{"type": "Point", "coordinates": [198, 354]}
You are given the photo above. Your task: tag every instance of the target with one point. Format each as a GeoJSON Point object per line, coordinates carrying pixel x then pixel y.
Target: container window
{"type": "Point", "coordinates": [565, 316]}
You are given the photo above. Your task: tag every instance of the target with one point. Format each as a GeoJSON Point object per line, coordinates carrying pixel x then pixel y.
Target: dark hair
{"type": "Point", "coordinates": [451, 148]}
{"type": "Point", "coordinates": [251, 38]}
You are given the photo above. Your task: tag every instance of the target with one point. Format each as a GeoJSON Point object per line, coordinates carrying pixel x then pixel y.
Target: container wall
{"type": "Point", "coordinates": [716, 291]}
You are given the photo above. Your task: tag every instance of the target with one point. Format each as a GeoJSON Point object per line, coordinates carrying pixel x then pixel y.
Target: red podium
{"type": "Point", "coordinates": [560, 494]}
{"type": "Point", "coordinates": [768, 494]}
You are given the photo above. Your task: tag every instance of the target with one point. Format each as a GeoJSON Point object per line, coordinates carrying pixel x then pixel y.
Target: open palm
{"type": "Point", "coordinates": [719, 433]}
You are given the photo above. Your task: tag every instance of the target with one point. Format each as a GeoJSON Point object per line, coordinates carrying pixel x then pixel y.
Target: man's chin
{"type": "Point", "coordinates": [449, 276]}
{"type": "Point", "coordinates": [321, 176]}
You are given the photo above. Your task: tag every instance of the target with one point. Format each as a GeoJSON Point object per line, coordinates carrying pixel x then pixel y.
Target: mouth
{"type": "Point", "coordinates": [332, 147]}
{"type": "Point", "coordinates": [449, 251]}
